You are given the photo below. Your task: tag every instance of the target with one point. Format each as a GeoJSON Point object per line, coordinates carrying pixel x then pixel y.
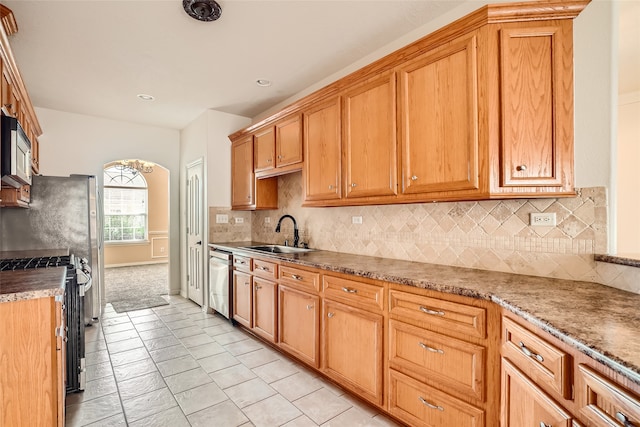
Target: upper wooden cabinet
{"type": "Point", "coordinates": [247, 193]}
{"type": "Point", "coordinates": [438, 98]}
{"type": "Point", "coordinates": [369, 138]}
{"type": "Point", "coordinates": [322, 149]}
{"type": "Point", "coordinates": [479, 109]}
{"type": "Point", "coordinates": [15, 101]}
{"type": "Point", "coordinates": [536, 107]}
{"type": "Point", "coordinates": [278, 148]}
{"type": "Point", "coordinates": [289, 143]}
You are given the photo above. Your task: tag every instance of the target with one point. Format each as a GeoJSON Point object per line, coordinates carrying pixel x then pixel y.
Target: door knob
{"type": "Point", "coordinates": [199, 242]}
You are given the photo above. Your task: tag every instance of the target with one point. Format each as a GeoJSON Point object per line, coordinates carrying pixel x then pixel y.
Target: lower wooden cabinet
{"type": "Point", "coordinates": [265, 308]}
{"type": "Point", "coordinates": [418, 404]}
{"type": "Point", "coordinates": [32, 381]}
{"type": "Point", "coordinates": [605, 403]}
{"type": "Point", "coordinates": [242, 299]}
{"type": "Point", "coordinates": [524, 404]}
{"type": "Point", "coordinates": [299, 324]}
{"type": "Point", "coordinates": [352, 348]}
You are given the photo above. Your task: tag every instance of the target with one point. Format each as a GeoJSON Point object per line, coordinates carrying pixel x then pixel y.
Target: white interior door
{"type": "Point", "coordinates": [195, 225]}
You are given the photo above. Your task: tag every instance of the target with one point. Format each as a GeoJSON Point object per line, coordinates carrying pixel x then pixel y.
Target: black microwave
{"type": "Point", "coordinates": [15, 154]}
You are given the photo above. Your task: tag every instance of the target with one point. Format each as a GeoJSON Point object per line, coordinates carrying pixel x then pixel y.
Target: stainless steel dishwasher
{"type": "Point", "coordinates": [220, 282]}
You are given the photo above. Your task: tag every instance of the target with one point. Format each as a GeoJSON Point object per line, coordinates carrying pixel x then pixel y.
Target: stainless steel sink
{"type": "Point", "coordinates": [277, 249]}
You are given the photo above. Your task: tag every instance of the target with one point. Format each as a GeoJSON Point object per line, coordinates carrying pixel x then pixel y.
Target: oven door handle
{"type": "Point", "coordinates": [84, 281]}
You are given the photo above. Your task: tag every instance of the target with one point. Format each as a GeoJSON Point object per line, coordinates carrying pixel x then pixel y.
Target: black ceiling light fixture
{"type": "Point", "coordinates": [202, 10]}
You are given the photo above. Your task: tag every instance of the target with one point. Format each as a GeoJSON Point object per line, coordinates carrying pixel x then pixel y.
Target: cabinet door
{"type": "Point", "coordinates": [264, 308]}
{"type": "Point", "coordinates": [242, 177]}
{"type": "Point", "coordinates": [264, 143]}
{"type": "Point", "coordinates": [525, 404]}
{"type": "Point", "coordinates": [288, 142]}
{"type": "Point", "coordinates": [242, 298]}
{"type": "Point", "coordinates": [537, 106]}
{"type": "Point", "coordinates": [322, 151]}
{"type": "Point", "coordinates": [298, 324]}
{"type": "Point", "coordinates": [369, 135]}
{"type": "Point", "coordinates": [61, 362]}
{"type": "Point", "coordinates": [439, 119]}
{"type": "Point", "coordinates": [352, 348]}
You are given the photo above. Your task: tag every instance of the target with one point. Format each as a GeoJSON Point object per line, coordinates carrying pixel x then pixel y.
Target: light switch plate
{"type": "Point", "coordinates": [222, 219]}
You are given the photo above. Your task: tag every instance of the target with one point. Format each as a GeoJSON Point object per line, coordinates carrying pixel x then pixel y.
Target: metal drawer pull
{"type": "Point", "coordinates": [624, 419]}
{"type": "Point", "coordinates": [296, 277]}
{"type": "Point", "coordinates": [264, 268]}
{"type": "Point", "coordinates": [246, 283]}
{"type": "Point", "coordinates": [430, 405]}
{"type": "Point", "coordinates": [431, 349]}
{"type": "Point", "coordinates": [543, 424]}
{"type": "Point", "coordinates": [309, 306]}
{"type": "Point", "coordinates": [258, 287]}
{"type": "Point", "coordinates": [350, 290]}
{"type": "Point", "coordinates": [330, 315]}
{"type": "Point", "coordinates": [241, 262]}
{"type": "Point", "coordinates": [530, 353]}
{"type": "Point", "coordinates": [429, 311]}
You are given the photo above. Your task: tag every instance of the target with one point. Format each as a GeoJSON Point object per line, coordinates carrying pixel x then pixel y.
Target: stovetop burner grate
{"type": "Point", "coordinates": [37, 262]}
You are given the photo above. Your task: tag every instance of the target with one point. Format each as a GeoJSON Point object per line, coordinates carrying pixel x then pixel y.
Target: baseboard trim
{"type": "Point", "coordinates": [133, 264]}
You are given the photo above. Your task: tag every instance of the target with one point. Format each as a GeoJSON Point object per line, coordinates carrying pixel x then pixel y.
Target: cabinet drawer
{"type": "Point", "coordinates": [541, 361]}
{"type": "Point", "coordinates": [350, 292]}
{"type": "Point", "coordinates": [605, 403]}
{"type": "Point", "coordinates": [432, 312]}
{"type": "Point", "coordinates": [302, 279]}
{"type": "Point", "coordinates": [420, 405]}
{"type": "Point", "coordinates": [524, 404]}
{"type": "Point", "coordinates": [242, 262]}
{"type": "Point", "coordinates": [448, 361]}
{"type": "Point", "coordinates": [266, 269]}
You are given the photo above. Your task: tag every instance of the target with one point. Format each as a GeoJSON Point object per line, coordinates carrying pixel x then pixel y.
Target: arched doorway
{"type": "Point", "coordinates": [136, 234]}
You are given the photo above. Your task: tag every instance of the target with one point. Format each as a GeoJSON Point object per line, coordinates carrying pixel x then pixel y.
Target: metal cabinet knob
{"type": "Point", "coordinates": [330, 315]}
{"type": "Point", "coordinates": [330, 187]}
{"type": "Point", "coordinates": [296, 277]}
{"type": "Point", "coordinates": [353, 184]}
{"type": "Point", "coordinates": [521, 168]}
{"type": "Point", "coordinates": [414, 177]}
{"type": "Point", "coordinates": [309, 306]}
{"type": "Point", "coordinates": [269, 161]}
{"type": "Point", "coordinates": [543, 424]}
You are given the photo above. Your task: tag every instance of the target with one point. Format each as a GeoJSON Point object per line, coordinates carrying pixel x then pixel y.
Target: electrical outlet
{"type": "Point", "coordinates": [543, 219]}
{"type": "Point", "coordinates": [239, 220]}
{"type": "Point", "coordinates": [267, 220]}
{"type": "Point", "coordinates": [356, 220]}
{"type": "Point", "coordinates": [222, 219]}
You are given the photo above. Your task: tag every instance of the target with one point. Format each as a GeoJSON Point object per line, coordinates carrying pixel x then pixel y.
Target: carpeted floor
{"type": "Point", "coordinates": [136, 287]}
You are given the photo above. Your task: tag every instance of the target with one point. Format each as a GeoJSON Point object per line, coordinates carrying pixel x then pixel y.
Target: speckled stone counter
{"type": "Point", "coordinates": [630, 261]}
{"type": "Point", "coordinates": [31, 284]}
{"type": "Point", "coordinates": [600, 321]}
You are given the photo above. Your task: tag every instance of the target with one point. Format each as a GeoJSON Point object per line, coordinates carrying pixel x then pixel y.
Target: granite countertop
{"type": "Point", "coordinates": [599, 321]}
{"type": "Point", "coordinates": [31, 284]}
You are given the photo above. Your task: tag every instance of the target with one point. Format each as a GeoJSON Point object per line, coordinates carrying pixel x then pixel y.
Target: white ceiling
{"type": "Point", "coordinates": [93, 57]}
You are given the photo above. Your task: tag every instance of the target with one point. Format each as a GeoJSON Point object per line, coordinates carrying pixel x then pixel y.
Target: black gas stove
{"type": "Point", "coordinates": [78, 279]}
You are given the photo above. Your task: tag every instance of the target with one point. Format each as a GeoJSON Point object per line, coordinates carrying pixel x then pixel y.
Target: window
{"type": "Point", "coordinates": [125, 205]}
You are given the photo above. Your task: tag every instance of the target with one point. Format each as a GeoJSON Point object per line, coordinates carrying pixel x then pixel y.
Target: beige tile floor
{"type": "Point", "coordinates": [177, 366]}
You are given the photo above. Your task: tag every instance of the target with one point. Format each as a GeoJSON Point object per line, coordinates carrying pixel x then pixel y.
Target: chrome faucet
{"type": "Point", "coordinates": [296, 236]}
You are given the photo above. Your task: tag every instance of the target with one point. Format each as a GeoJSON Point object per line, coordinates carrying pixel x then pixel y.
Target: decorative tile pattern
{"type": "Point", "coordinates": [489, 235]}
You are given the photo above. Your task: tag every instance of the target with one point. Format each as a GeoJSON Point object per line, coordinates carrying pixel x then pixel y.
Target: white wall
{"type": "Point", "coordinates": [628, 241]}
{"type": "Point", "coordinates": [79, 144]}
{"type": "Point", "coordinates": [220, 126]}
{"type": "Point", "coordinates": [207, 137]}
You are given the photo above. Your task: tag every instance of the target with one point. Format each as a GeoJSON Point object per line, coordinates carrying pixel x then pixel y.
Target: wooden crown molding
{"type": "Point", "coordinates": [8, 20]}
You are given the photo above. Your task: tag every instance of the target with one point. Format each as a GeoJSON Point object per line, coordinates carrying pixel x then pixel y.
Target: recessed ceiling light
{"type": "Point", "coordinates": [263, 82]}
{"type": "Point", "coordinates": [145, 97]}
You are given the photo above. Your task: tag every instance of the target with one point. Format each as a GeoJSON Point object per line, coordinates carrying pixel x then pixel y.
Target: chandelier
{"type": "Point", "coordinates": [137, 165]}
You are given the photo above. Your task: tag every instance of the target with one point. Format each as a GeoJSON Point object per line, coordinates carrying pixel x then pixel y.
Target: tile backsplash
{"type": "Point", "coordinates": [488, 235]}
